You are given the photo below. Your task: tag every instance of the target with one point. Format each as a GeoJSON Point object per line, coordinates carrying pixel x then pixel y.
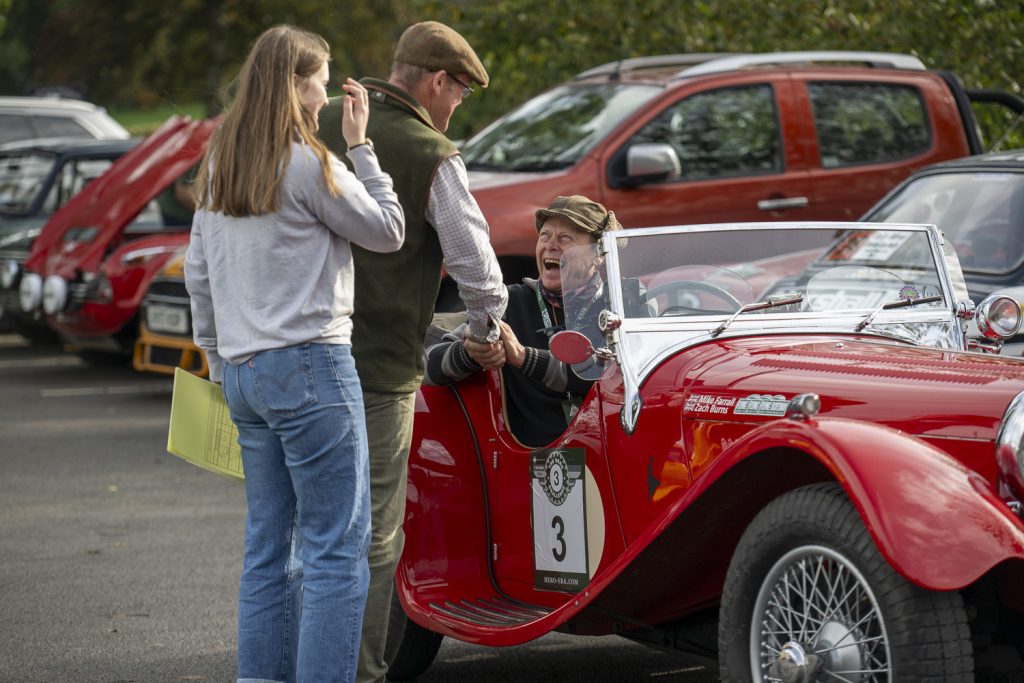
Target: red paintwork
{"type": "Point", "coordinates": [677, 493]}
{"type": "Point", "coordinates": [110, 204]}
{"type": "Point", "coordinates": [509, 200]}
{"type": "Point", "coordinates": [129, 282]}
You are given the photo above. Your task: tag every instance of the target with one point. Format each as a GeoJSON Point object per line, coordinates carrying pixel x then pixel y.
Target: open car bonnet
{"type": "Point", "coordinates": [78, 236]}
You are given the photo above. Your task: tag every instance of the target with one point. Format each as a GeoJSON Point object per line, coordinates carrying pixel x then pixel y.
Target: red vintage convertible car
{"type": "Point", "coordinates": [91, 264]}
{"type": "Point", "coordinates": [793, 465]}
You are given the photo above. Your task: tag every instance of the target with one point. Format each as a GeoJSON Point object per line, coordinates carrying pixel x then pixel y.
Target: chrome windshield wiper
{"type": "Point", "coordinates": [770, 302]}
{"type": "Point", "coordinates": [899, 303]}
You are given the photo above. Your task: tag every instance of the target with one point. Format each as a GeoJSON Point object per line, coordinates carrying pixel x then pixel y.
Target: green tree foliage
{"type": "Point", "coordinates": [128, 52]}
{"type": "Point", "coordinates": [529, 45]}
{"type": "Point", "coordinates": [139, 52]}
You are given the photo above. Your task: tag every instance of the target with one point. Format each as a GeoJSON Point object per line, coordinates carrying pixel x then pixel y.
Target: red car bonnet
{"type": "Point", "coordinates": [110, 202]}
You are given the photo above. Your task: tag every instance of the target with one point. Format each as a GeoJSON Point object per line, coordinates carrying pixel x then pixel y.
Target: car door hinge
{"type": "Point", "coordinates": [494, 552]}
{"type": "Point", "coordinates": [494, 459]}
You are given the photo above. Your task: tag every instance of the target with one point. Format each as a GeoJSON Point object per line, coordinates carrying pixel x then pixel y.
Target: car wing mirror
{"type": "Point", "coordinates": [650, 162]}
{"type": "Point", "coordinates": [571, 347]}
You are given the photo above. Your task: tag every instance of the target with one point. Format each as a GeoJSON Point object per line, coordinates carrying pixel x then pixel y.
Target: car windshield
{"type": "Point", "coordinates": [980, 213]}
{"type": "Point", "coordinates": [555, 129]}
{"type": "Point", "coordinates": [22, 178]}
{"type": "Point", "coordinates": [896, 281]}
{"type": "Point", "coordinates": [29, 184]}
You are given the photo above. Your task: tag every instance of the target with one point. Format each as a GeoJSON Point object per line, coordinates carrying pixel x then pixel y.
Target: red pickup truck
{"type": "Point", "coordinates": [684, 139]}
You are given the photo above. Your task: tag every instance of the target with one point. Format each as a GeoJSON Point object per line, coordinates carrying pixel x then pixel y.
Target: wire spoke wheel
{"type": "Point", "coordinates": [808, 598]}
{"type": "Point", "coordinates": [816, 618]}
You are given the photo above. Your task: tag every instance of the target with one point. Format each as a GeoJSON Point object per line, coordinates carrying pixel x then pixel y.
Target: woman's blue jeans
{"type": "Point", "coordinates": [299, 412]}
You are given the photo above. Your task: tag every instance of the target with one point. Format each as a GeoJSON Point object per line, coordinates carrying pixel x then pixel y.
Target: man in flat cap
{"type": "Point", "coordinates": [540, 393]}
{"type": "Point", "coordinates": [433, 71]}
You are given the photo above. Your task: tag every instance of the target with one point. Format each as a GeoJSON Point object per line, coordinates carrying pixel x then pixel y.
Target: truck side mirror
{"type": "Point", "coordinates": [649, 162]}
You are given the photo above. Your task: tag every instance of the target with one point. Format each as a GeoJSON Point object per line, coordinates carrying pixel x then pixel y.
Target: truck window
{"type": "Point", "coordinates": [721, 133]}
{"type": "Point", "coordinates": [868, 123]}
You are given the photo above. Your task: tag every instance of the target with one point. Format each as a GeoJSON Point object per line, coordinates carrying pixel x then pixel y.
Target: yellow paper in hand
{"type": "Point", "coordinates": [201, 428]}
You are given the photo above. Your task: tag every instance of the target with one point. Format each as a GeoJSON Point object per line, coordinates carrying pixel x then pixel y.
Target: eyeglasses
{"type": "Point", "coordinates": [467, 90]}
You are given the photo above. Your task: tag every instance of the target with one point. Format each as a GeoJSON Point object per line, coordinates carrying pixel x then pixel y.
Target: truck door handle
{"type": "Point", "coordinates": [782, 203]}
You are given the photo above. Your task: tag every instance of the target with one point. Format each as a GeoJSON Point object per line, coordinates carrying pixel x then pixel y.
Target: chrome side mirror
{"type": "Point", "coordinates": [652, 162]}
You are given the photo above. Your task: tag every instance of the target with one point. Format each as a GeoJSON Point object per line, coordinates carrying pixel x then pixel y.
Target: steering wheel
{"type": "Point", "coordinates": [684, 285]}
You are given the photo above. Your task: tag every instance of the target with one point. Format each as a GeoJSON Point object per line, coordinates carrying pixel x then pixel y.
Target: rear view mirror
{"type": "Point", "coordinates": [571, 347]}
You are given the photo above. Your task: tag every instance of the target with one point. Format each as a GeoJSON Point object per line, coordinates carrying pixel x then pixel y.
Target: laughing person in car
{"type": "Point", "coordinates": [541, 392]}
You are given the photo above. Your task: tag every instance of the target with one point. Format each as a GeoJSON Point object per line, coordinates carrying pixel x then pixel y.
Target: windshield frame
{"type": "Point", "coordinates": [640, 344]}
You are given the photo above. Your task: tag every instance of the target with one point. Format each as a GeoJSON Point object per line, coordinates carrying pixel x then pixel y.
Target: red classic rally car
{"type": "Point", "coordinates": [93, 261]}
{"type": "Point", "coordinates": [793, 465]}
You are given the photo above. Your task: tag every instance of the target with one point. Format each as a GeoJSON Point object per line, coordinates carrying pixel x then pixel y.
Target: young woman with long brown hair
{"type": "Point", "coordinates": [269, 271]}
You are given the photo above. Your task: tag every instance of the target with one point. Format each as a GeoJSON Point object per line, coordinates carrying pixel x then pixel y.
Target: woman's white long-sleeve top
{"type": "Point", "coordinates": [281, 279]}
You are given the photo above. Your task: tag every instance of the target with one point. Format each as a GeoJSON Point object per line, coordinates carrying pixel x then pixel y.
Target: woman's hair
{"type": "Point", "coordinates": [248, 154]}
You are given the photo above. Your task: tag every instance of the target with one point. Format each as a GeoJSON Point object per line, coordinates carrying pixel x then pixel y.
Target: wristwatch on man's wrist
{"type": "Point", "coordinates": [368, 142]}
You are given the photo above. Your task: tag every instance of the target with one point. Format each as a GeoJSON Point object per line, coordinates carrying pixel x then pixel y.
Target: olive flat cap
{"type": "Point", "coordinates": [585, 214]}
{"type": "Point", "coordinates": [436, 47]}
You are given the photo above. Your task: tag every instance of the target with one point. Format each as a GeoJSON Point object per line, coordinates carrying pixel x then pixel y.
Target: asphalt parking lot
{"type": "Point", "coordinates": [119, 563]}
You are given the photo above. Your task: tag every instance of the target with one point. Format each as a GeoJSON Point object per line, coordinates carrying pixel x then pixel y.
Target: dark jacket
{"type": "Point", "coordinates": [537, 394]}
{"type": "Point", "coordinates": [395, 292]}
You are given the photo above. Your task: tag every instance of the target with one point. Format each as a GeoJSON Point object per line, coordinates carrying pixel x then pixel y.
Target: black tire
{"type": "Point", "coordinates": [803, 550]}
{"type": "Point", "coordinates": [410, 648]}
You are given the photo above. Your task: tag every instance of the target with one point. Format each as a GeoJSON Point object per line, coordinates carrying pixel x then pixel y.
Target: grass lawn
{"type": "Point", "coordinates": [141, 122]}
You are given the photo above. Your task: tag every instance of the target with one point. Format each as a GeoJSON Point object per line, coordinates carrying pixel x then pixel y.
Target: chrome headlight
{"type": "Point", "coordinates": [9, 269]}
{"type": "Point", "coordinates": [30, 292]}
{"type": "Point", "coordinates": [998, 317]}
{"type": "Point", "coordinates": [1010, 446]}
{"type": "Point", "coordinates": [55, 294]}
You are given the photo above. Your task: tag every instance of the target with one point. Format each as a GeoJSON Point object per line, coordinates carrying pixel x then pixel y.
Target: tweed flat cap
{"type": "Point", "coordinates": [434, 46]}
{"type": "Point", "coordinates": [585, 214]}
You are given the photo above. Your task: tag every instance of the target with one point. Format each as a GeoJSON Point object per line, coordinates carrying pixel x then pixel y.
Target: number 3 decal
{"type": "Point", "coordinates": [559, 526]}
{"type": "Point", "coordinates": [558, 519]}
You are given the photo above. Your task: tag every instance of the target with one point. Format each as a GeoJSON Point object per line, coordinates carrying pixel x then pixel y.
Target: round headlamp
{"type": "Point", "coordinates": [55, 294]}
{"type": "Point", "coordinates": [9, 269]}
{"type": "Point", "coordinates": [30, 291]}
{"type": "Point", "coordinates": [998, 317]}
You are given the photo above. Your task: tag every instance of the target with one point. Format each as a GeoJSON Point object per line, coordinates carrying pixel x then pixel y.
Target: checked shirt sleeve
{"type": "Point", "coordinates": [468, 255]}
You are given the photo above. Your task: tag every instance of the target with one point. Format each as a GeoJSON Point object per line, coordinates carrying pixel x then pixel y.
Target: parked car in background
{"type": "Point", "coordinates": [23, 118]}
{"type": "Point", "coordinates": [37, 177]}
{"type": "Point", "coordinates": [790, 467]}
{"type": "Point", "coordinates": [978, 204]}
{"type": "Point", "coordinates": [87, 271]}
{"type": "Point", "coordinates": [165, 325]}
{"type": "Point", "coordinates": [683, 139]}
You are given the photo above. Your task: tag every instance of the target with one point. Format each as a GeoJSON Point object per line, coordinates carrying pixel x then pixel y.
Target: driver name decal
{"type": "Point", "coordinates": [708, 404]}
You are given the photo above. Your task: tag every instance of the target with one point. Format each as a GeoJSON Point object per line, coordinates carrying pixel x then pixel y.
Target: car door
{"type": "Point", "coordinates": [740, 150]}
{"type": "Point", "coordinates": [868, 137]}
